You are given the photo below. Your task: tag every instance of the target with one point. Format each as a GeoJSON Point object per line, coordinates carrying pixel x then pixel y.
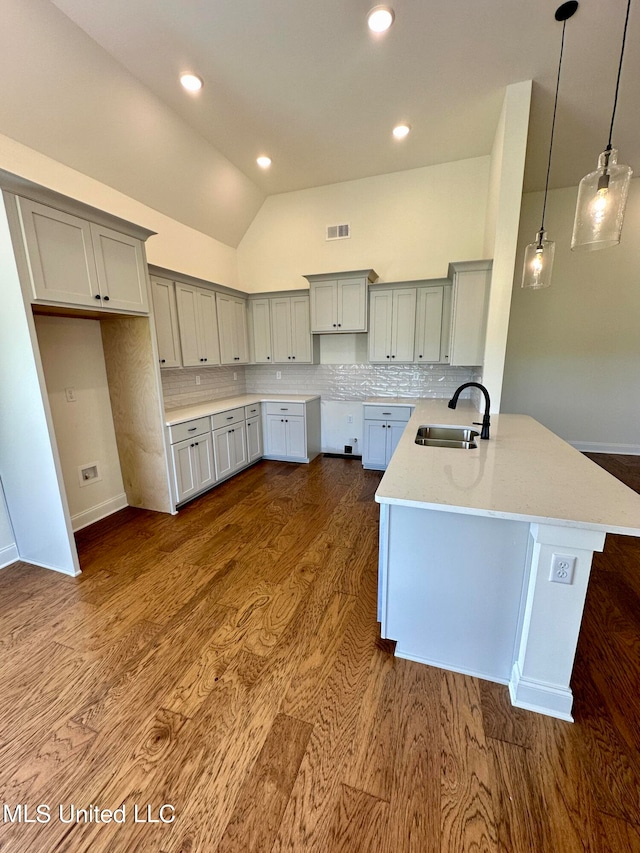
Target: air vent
{"type": "Point", "coordinates": [338, 232]}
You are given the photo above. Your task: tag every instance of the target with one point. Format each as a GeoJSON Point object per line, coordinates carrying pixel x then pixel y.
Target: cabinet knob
{"type": "Point", "coordinates": [334, 325]}
{"type": "Point", "coordinates": [293, 357]}
{"type": "Point", "coordinates": [97, 296]}
{"type": "Point", "coordinates": [206, 359]}
{"type": "Point", "coordinates": [289, 357]}
{"type": "Point", "coordinates": [393, 356]}
{"type": "Point", "coordinates": [195, 444]}
{"type": "Point", "coordinates": [268, 358]}
{"type": "Point", "coordinates": [339, 325]}
{"type": "Point", "coordinates": [419, 356]}
{"type": "Point", "coordinates": [192, 445]}
{"type": "Point", "coordinates": [162, 360]}
{"type": "Point", "coordinates": [106, 298]}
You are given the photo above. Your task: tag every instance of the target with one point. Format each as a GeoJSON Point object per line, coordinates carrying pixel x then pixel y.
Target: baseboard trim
{"type": "Point", "coordinates": [539, 696]}
{"type": "Point", "coordinates": [400, 653]}
{"type": "Point", "coordinates": [340, 455]}
{"type": "Point", "coordinates": [95, 513]}
{"type": "Point", "coordinates": [601, 447]}
{"type": "Point", "coordinates": [8, 556]}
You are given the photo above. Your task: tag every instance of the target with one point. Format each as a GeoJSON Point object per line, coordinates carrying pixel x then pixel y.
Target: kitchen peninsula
{"type": "Point", "coordinates": [485, 554]}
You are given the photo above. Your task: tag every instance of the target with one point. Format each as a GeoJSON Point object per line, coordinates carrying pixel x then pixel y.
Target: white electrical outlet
{"type": "Point", "coordinates": [562, 568]}
{"type": "Point", "coordinates": [235, 376]}
{"type": "Point", "coordinates": [70, 394]}
{"type": "Point", "coordinates": [197, 380]}
{"type": "Point", "coordinates": [349, 419]}
{"type": "Point", "coordinates": [278, 374]}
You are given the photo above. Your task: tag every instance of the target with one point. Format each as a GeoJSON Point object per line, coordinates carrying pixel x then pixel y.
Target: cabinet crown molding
{"type": "Point", "coordinates": [370, 274]}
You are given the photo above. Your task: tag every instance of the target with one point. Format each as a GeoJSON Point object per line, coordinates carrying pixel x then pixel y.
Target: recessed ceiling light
{"type": "Point", "coordinates": [380, 18]}
{"type": "Point", "coordinates": [401, 130]}
{"type": "Point", "coordinates": [264, 162]}
{"type": "Point", "coordinates": [191, 82]}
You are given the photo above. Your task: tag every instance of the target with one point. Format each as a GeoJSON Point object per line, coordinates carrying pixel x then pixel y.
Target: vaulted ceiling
{"type": "Point", "coordinates": [308, 84]}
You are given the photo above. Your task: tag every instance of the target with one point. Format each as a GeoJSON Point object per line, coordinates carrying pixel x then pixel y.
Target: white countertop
{"type": "Point", "coordinates": [213, 407]}
{"type": "Point", "coordinates": [524, 472]}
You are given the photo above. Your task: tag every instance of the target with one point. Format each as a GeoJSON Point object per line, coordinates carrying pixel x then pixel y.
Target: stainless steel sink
{"type": "Point", "coordinates": [432, 435]}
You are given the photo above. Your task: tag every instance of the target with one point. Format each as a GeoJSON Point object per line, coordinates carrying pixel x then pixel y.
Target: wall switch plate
{"type": "Point", "coordinates": [278, 374]}
{"type": "Point", "coordinates": [235, 376]}
{"type": "Point", "coordinates": [70, 394]}
{"type": "Point", "coordinates": [197, 380]}
{"type": "Point", "coordinates": [349, 419]}
{"type": "Point", "coordinates": [562, 568]}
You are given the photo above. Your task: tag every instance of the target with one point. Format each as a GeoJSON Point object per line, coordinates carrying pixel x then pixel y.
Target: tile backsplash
{"type": "Point", "coordinates": [331, 381]}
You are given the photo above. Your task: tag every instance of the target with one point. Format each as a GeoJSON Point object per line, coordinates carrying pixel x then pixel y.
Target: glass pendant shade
{"type": "Point", "coordinates": [538, 262]}
{"type": "Point", "coordinates": [602, 198]}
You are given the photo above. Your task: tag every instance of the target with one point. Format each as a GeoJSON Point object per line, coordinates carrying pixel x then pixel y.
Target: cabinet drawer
{"type": "Point", "coordinates": [232, 416]}
{"type": "Point", "coordinates": [188, 429]}
{"type": "Point", "coordinates": [387, 413]}
{"type": "Point", "coordinates": [252, 411]}
{"type": "Point", "coordinates": [285, 408]}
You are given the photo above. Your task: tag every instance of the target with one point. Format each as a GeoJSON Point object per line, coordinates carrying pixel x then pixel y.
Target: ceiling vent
{"type": "Point", "coordinates": [338, 232]}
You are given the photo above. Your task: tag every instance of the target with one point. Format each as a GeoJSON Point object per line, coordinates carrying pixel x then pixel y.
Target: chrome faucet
{"type": "Point", "coordinates": [453, 402]}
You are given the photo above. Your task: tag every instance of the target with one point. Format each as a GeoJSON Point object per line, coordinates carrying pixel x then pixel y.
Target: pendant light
{"type": "Point", "coordinates": [602, 195]}
{"type": "Point", "coordinates": [538, 256]}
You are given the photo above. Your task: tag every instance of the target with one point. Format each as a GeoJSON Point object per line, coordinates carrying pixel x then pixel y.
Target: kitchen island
{"type": "Point", "coordinates": [485, 554]}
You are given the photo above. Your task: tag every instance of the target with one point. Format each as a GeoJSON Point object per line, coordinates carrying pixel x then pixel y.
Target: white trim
{"type": "Point", "coordinates": [540, 696]}
{"type": "Point", "coordinates": [95, 513]}
{"type": "Point", "coordinates": [399, 653]}
{"type": "Point", "coordinates": [602, 447]}
{"type": "Point", "coordinates": [63, 571]}
{"type": "Point", "coordinates": [8, 555]}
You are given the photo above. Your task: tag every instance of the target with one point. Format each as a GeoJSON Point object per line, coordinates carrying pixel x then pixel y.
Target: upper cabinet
{"type": "Point", "coordinates": [393, 320]}
{"type": "Point", "coordinates": [165, 315]}
{"type": "Point", "coordinates": [232, 328]}
{"type": "Point", "coordinates": [198, 323]}
{"type": "Point", "coordinates": [279, 330]}
{"type": "Point", "coordinates": [429, 324]}
{"type": "Point", "coordinates": [339, 301]}
{"type": "Point", "coordinates": [76, 262]}
{"type": "Point", "coordinates": [470, 299]}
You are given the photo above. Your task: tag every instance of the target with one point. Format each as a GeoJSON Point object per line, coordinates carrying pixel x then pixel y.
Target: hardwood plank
{"type": "Point", "coordinates": [467, 816]}
{"type": "Point", "coordinates": [264, 796]}
{"type": "Point", "coordinates": [501, 720]}
{"type": "Point", "coordinates": [359, 822]}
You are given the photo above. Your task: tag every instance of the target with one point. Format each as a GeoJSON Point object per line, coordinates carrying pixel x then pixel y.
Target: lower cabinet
{"type": "Point", "coordinates": [193, 465]}
{"type": "Point", "coordinates": [292, 430]}
{"type": "Point", "coordinates": [383, 427]}
{"type": "Point", "coordinates": [254, 438]}
{"type": "Point", "coordinates": [229, 449]}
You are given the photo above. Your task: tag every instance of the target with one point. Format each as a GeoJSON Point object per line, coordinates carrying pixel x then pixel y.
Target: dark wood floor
{"type": "Point", "coordinates": [227, 662]}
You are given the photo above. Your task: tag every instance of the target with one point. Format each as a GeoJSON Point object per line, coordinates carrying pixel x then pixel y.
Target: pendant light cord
{"type": "Point", "coordinates": [615, 100]}
{"type": "Point", "coordinates": [553, 126]}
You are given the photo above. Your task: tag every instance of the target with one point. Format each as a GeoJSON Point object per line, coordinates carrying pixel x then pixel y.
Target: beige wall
{"type": "Point", "coordinates": [72, 356]}
{"type": "Point", "coordinates": [405, 225]}
{"type": "Point", "coordinates": [174, 246]}
{"type": "Point", "coordinates": [573, 353]}
{"type": "Point", "coordinates": [7, 539]}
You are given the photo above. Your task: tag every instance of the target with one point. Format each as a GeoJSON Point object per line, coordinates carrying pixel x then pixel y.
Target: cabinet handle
{"type": "Point", "coordinates": [284, 410]}
{"type": "Point", "coordinates": [162, 360]}
{"type": "Point", "coordinates": [386, 413]}
{"type": "Point", "coordinates": [97, 296]}
{"type": "Point", "coordinates": [193, 429]}
{"type": "Point", "coordinates": [106, 298]}
{"type": "Point", "coordinates": [230, 418]}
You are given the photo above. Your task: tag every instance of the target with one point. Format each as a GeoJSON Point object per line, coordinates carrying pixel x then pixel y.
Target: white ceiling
{"type": "Point", "coordinates": [306, 83]}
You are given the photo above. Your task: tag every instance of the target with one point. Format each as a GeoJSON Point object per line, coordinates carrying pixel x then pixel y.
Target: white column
{"type": "Point", "coordinates": [551, 620]}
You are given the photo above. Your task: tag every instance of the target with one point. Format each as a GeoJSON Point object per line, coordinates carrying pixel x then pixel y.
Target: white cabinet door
{"type": "Point", "coordinates": [187, 306]}
{"type": "Point", "coordinates": [394, 432]}
{"type": "Point", "coordinates": [223, 452]}
{"type": "Point", "coordinates": [60, 255]}
{"type": "Point", "coordinates": [281, 329]}
{"type": "Point", "coordinates": [375, 444]}
{"type": "Point", "coordinates": [239, 446]}
{"type": "Point", "coordinates": [184, 469]}
{"type": "Point", "coordinates": [275, 439]}
{"type": "Point", "coordinates": [324, 306]}
{"type": "Point", "coordinates": [208, 326]}
{"type": "Point", "coordinates": [300, 331]}
{"type": "Point", "coordinates": [120, 264]}
{"type": "Point", "coordinates": [296, 439]}
{"type": "Point", "coordinates": [352, 305]}
{"type": "Point", "coordinates": [429, 324]}
{"type": "Point", "coordinates": [165, 316]}
{"type": "Point", "coordinates": [232, 326]}
{"type": "Point", "coordinates": [260, 330]}
{"type": "Point", "coordinates": [403, 324]}
{"type": "Point", "coordinates": [254, 439]}
{"type": "Point", "coordinates": [380, 324]}
{"type": "Point", "coordinates": [468, 317]}
{"type": "Point", "coordinates": [203, 460]}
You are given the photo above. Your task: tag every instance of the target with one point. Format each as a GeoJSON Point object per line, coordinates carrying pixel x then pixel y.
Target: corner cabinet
{"type": "Point", "coordinates": [469, 304]}
{"type": "Point", "coordinates": [339, 301]}
{"type": "Point", "coordinates": [383, 427]}
{"type": "Point", "coordinates": [76, 262]}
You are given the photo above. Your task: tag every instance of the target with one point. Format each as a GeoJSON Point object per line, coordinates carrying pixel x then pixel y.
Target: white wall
{"type": "Point", "coordinates": [175, 246]}
{"type": "Point", "coordinates": [405, 225]}
{"type": "Point", "coordinates": [573, 353]}
{"type": "Point", "coordinates": [64, 95]}
{"type": "Point", "coordinates": [73, 357]}
{"type": "Point", "coordinates": [501, 234]}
